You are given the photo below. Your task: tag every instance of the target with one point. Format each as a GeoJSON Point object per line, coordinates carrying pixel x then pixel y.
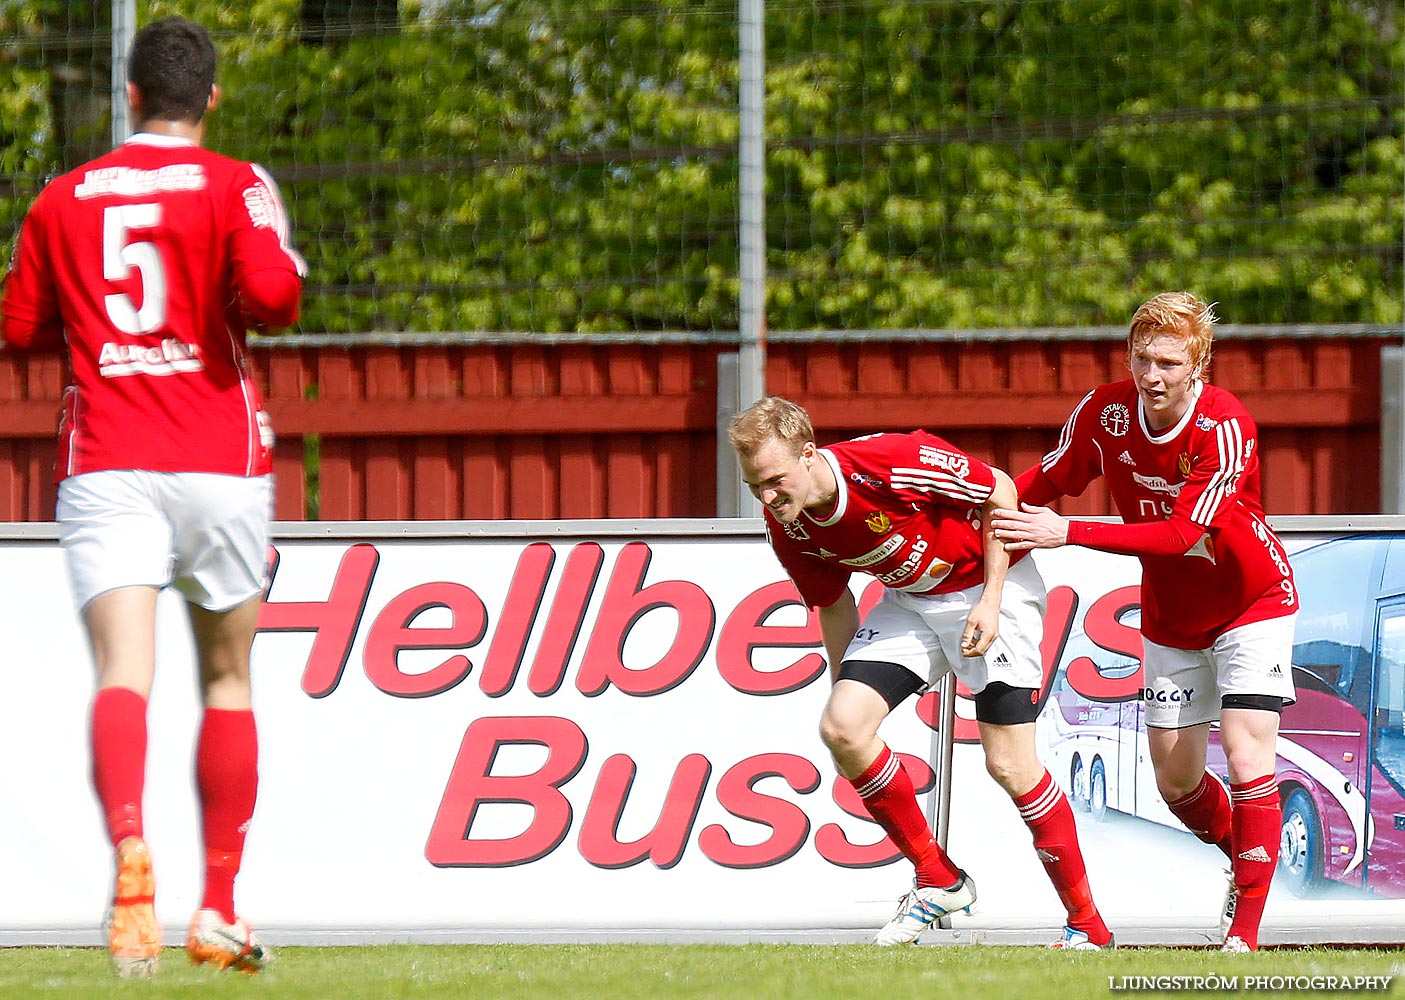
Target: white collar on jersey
{"type": "Point", "coordinates": [841, 495]}
{"type": "Point", "coordinates": [152, 139]}
{"type": "Point", "coordinates": [1196, 387]}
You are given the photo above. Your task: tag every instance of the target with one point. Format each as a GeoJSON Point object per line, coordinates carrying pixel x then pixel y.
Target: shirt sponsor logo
{"type": "Point", "coordinates": [129, 182]}
{"type": "Point", "coordinates": [1205, 423]}
{"type": "Point", "coordinates": [878, 522]}
{"type": "Point", "coordinates": [908, 567]}
{"type": "Point", "coordinates": [1157, 484]}
{"type": "Point", "coordinates": [1116, 419]}
{"type": "Point", "coordinates": [864, 479]}
{"type": "Point", "coordinates": [890, 545]}
{"type": "Point", "coordinates": [947, 461]}
{"type": "Point", "coordinates": [170, 357]}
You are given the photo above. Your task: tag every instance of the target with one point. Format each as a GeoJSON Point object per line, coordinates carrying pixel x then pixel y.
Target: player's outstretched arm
{"type": "Point", "coordinates": [1030, 527]}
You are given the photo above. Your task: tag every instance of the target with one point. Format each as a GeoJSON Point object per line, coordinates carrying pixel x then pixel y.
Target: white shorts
{"type": "Point", "coordinates": [922, 632]}
{"type": "Point", "coordinates": [1184, 686]}
{"type": "Point", "coordinates": [204, 534]}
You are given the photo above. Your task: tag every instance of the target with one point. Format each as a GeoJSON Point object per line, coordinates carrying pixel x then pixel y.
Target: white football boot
{"type": "Point", "coordinates": [923, 907]}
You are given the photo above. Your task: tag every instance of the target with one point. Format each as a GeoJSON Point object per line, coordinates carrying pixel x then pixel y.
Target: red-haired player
{"type": "Point", "coordinates": [1181, 460]}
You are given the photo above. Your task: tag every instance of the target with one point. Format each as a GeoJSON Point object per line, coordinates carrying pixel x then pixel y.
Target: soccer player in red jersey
{"type": "Point", "coordinates": [1180, 458]}
{"type": "Point", "coordinates": [907, 509]}
{"type": "Point", "coordinates": [148, 263]}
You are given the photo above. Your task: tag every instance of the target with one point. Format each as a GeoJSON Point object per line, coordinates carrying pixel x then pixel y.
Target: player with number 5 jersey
{"type": "Point", "coordinates": [149, 264]}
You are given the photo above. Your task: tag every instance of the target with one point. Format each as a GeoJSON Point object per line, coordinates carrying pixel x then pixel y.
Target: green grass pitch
{"type": "Point", "coordinates": [747, 972]}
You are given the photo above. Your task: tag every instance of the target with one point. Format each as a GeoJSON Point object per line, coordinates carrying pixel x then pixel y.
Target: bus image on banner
{"type": "Point", "coordinates": [1341, 748]}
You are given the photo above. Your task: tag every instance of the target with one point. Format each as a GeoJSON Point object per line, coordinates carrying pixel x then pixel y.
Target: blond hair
{"type": "Point", "coordinates": [1179, 314]}
{"type": "Point", "coordinates": [770, 417]}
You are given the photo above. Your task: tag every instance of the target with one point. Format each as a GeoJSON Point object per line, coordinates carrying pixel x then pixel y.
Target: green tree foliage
{"type": "Point", "coordinates": [570, 165]}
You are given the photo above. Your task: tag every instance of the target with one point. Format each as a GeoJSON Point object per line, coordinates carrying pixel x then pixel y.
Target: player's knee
{"type": "Point", "coordinates": [1014, 771]}
{"type": "Point", "coordinates": [1250, 761]}
{"type": "Point", "coordinates": [1176, 783]}
{"type": "Point", "coordinates": [844, 731]}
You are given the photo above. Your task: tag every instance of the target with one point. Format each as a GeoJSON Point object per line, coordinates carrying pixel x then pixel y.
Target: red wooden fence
{"type": "Point", "coordinates": [581, 430]}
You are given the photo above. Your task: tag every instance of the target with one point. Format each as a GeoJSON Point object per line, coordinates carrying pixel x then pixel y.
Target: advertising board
{"type": "Point", "coordinates": [600, 725]}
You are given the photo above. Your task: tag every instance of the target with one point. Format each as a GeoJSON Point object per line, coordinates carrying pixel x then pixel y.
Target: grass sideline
{"type": "Point", "coordinates": [648, 971]}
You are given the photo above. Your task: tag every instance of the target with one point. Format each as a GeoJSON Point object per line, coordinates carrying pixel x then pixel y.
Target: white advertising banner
{"type": "Point", "coordinates": [548, 730]}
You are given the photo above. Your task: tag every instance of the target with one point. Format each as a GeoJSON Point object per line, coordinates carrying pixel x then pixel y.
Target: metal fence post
{"type": "Point", "coordinates": [751, 238]}
{"type": "Point", "coordinates": [124, 27]}
{"type": "Point", "coordinates": [1393, 430]}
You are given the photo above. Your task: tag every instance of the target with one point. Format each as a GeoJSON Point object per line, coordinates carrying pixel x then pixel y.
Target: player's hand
{"type": "Point", "coordinates": [1030, 527]}
{"type": "Point", "coordinates": [982, 626]}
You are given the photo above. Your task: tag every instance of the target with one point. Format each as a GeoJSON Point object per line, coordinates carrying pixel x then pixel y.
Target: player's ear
{"type": "Point", "coordinates": [214, 98]}
{"type": "Point", "coordinates": [134, 101]}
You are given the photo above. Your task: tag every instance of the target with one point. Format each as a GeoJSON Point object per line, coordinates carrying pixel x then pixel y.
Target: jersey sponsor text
{"type": "Point", "coordinates": [130, 182]}
{"type": "Point", "coordinates": [170, 357]}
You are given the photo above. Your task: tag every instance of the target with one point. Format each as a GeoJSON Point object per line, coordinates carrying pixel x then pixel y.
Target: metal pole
{"type": "Point", "coordinates": [124, 27]}
{"type": "Point", "coordinates": [943, 742]}
{"type": "Point", "coordinates": [751, 183]}
{"type": "Point", "coordinates": [729, 477]}
{"type": "Point", "coordinates": [1392, 430]}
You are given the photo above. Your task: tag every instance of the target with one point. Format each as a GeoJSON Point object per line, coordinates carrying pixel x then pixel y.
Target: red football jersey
{"type": "Point", "coordinates": [1204, 472]}
{"type": "Point", "coordinates": [138, 260]}
{"type": "Point", "coordinates": [906, 514]}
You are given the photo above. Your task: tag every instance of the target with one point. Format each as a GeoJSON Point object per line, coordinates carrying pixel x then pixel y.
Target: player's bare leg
{"type": "Point", "coordinates": [1195, 796]}
{"type": "Point", "coordinates": [1010, 759]}
{"type": "Point", "coordinates": [121, 626]}
{"type": "Point", "coordinates": [226, 771]}
{"type": "Point", "coordinates": [849, 729]}
{"type": "Point", "coordinates": [1178, 757]}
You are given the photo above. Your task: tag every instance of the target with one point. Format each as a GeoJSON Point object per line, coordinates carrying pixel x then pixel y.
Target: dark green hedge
{"type": "Point", "coordinates": [571, 165]}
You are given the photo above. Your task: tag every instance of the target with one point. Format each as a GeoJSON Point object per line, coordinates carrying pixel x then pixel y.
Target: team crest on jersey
{"type": "Point", "coordinates": [878, 522]}
{"type": "Point", "coordinates": [1183, 464]}
{"type": "Point", "coordinates": [864, 479]}
{"type": "Point", "coordinates": [1116, 419]}
{"type": "Point", "coordinates": [1205, 423]}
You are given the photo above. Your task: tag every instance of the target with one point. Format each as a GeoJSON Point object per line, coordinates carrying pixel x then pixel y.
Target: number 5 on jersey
{"type": "Point", "coordinates": [119, 258]}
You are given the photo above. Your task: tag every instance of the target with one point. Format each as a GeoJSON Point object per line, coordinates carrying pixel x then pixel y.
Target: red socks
{"type": "Point", "coordinates": [1046, 812]}
{"type": "Point", "coordinates": [1206, 813]}
{"type": "Point", "coordinates": [887, 793]}
{"type": "Point", "coordinates": [117, 735]}
{"type": "Point", "coordinates": [1256, 828]}
{"type": "Point", "coordinates": [226, 774]}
